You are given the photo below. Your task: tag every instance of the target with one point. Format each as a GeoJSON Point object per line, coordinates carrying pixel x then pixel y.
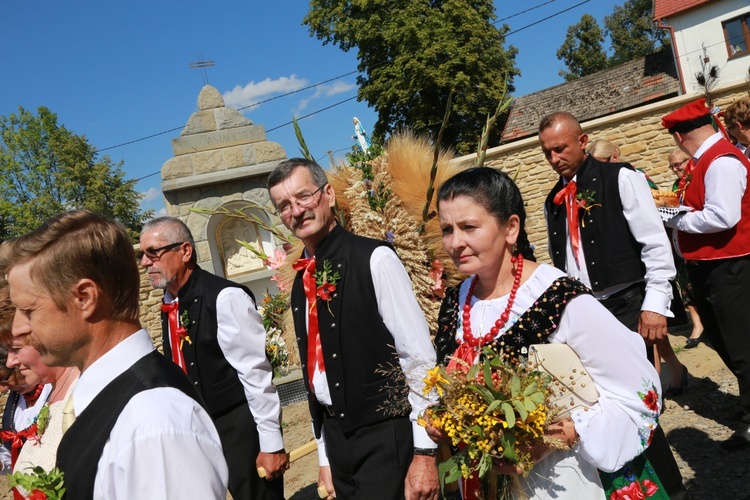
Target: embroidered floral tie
{"type": "Point", "coordinates": [314, 347]}
{"type": "Point", "coordinates": [174, 335]}
{"type": "Point", "coordinates": [568, 194]}
{"type": "Point", "coordinates": [685, 180]}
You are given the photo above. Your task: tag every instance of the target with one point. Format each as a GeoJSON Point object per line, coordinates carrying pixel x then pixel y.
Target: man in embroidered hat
{"type": "Point", "coordinates": [604, 230]}
{"type": "Point", "coordinates": [212, 330]}
{"type": "Point", "coordinates": [355, 313]}
{"type": "Point", "coordinates": [715, 238]}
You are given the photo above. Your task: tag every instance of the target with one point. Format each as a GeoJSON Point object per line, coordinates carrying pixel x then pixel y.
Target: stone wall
{"type": "Point", "coordinates": [638, 133]}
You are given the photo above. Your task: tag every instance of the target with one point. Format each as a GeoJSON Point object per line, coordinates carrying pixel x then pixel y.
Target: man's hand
{"type": "Point", "coordinates": [652, 326]}
{"type": "Point", "coordinates": [325, 480]}
{"type": "Point", "coordinates": [422, 479]}
{"type": "Point", "coordinates": [275, 464]}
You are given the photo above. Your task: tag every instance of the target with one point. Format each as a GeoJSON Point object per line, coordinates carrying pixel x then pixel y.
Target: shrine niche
{"type": "Point", "coordinates": [236, 258]}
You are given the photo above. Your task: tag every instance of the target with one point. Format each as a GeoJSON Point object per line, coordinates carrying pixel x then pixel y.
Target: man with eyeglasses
{"type": "Point", "coordinates": [714, 238]}
{"type": "Point", "coordinates": [213, 331]}
{"type": "Point", "coordinates": [358, 324]}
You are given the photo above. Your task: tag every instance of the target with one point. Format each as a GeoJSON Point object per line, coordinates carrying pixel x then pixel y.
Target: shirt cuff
{"type": "Point", "coordinates": [322, 453]}
{"type": "Point", "coordinates": [421, 439]}
{"type": "Point", "coordinates": [658, 302]}
{"type": "Point", "coordinates": [270, 442]}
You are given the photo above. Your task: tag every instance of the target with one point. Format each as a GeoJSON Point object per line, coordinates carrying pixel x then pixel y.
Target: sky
{"type": "Point", "coordinates": [118, 72]}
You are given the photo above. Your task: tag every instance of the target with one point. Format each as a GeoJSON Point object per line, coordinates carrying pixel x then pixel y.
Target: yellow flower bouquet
{"type": "Point", "coordinates": [496, 410]}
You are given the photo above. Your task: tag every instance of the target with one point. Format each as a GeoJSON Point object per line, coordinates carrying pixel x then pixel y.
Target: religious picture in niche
{"type": "Point", "coordinates": [235, 257]}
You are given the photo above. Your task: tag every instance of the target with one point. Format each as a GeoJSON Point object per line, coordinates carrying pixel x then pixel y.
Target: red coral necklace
{"type": "Point", "coordinates": [500, 323]}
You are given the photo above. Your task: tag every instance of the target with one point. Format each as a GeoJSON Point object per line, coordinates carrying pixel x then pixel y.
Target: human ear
{"type": "Point", "coordinates": [512, 229]}
{"type": "Point", "coordinates": [86, 296]}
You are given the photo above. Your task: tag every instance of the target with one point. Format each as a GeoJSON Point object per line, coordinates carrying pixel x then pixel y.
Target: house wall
{"type": "Point", "coordinates": [701, 27]}
{"type": "Point", "coordinates": [638, 133]}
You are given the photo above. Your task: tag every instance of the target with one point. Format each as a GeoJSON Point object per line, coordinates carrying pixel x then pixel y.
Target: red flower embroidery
{"type": "Point", "coordinates": [651, 487]}
{"type": "Point", "coordinates": [651, 400]}
{"type": "Point", "coordinates": [326, 290]}
{"type": "Point", "coordinates": [37, 495]}
{"type": "Point", "coordinates": [632, 491]}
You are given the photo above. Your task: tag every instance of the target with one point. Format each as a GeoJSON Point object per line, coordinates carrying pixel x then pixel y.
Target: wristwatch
{"type": "Point", "coordinates": [427, 452]}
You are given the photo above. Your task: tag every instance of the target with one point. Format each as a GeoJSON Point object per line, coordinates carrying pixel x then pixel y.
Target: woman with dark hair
{"type": "Point", "coordinates": [511, 302]}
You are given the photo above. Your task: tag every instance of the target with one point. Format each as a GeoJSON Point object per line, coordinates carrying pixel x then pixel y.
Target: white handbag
{"type": "Point", "coordinates": [571, 387]}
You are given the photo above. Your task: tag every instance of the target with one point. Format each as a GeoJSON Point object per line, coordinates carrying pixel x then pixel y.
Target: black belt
{"type": "Point", "coordinates": [329, 411]}
{"type": "Point", "coordinates": [624, 296]}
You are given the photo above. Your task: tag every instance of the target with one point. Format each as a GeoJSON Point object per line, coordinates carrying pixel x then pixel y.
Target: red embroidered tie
{"type": "Point", "coordinates": [314, 347]}
{"type": "Point", "coordinates": [568, 194]}
{"type": "Point", "coordinates": [174, 335]}
{"type": "Point", "coordinates": [684, 180]}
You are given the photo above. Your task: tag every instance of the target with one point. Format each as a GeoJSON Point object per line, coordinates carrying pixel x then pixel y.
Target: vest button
{"type": "Point", "coordinates": [299, 339]}
{"type": "Point", "coordinates": [594, 179]}
{"type": "Point", "coordinates": [333, 325]}
{"type": "Point", "coordinates": [593, 263]}
{"type": "Point", "coordinates": [334, 355]}
{"type": "Point", "coordinates": [337, 385]}
{"type": "Point", "coordinates": [195, 383]}
{"type": "Point", "coordinates": [342, 415]}
{"type": "Point", "coordinates": [296, 309]}
{"type": "Point", "coordinates": [338, 265]}
{"type": "Point", "coordinates": [192, 363]}
{"type": "Point", "coordinates": [596, 283]}
{"type": "Point", "coordinates": [592, 242]}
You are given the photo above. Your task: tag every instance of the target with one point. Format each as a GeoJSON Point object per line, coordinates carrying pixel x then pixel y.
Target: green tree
{"type": "Point", "coordinates": [632, 32]}
{"type": "Point", "coordinates": [413, 53]}
{"type": "Point", "coordinates": [583, 51]}
{"type": "Point", "coordinates": [45, 169]}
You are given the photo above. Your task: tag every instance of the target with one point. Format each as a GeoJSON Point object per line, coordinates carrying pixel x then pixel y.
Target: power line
{"type": "Point", "coordinates": [238, 109]}
{"type": "Point", "coordinates": [546, 18]}
{"type": "Point", "coordinates": [523, 12]}
{"type": "Point", "coordinates": [269, 130]}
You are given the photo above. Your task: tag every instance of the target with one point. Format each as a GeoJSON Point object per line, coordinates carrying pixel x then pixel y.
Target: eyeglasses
{"type": "Point", "coordinates": [675, 166]}
{"type": "Point", "coordinates": [7, 377]}
{"type": "Point", "coordinates": [155, 254]}
{"type": "Point", "coordinates": [305, 200]}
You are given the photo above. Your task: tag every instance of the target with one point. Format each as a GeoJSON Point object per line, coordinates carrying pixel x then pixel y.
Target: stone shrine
{"type": "Point", "coordinates": [222, 160]}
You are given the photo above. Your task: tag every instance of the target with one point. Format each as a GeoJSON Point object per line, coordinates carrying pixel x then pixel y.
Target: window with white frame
{"type": "Point", "coordinates": [737, 35]}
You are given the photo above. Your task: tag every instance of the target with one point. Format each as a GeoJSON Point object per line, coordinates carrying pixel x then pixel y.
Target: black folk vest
{"type": "Point", "coordinates": [356, 343]}
{"type": "Point", "coordinates": [611, 253]}
{"type": "Point", "coordinates": [82, 444]}
{"type": "Point", "coordinates": [214, 378]}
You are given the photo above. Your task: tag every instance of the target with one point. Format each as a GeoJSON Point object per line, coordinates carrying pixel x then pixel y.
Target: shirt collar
{"type": "Point", "coordinates": [112, 364]}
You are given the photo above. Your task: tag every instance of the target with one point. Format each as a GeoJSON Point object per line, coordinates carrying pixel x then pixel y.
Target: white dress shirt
{"type": "Point", "coordinates": [647, 228]}
{"type": "Point", "coordinates": [242, 340]}
{"type": "Point", "coordinates": [613, 430]}
{"type": "Point", "coordinates": [404, 319]}
{"type": "Point", "coordinates": [24, 417]}
{"type": "Point", "coordinates": [163, 445]}
{"type": "Point", "coordinates": [725, 182]}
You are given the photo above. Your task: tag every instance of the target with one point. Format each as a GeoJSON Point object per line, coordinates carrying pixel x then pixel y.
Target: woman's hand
{"type": "Point", "coordinates": [563, 431]}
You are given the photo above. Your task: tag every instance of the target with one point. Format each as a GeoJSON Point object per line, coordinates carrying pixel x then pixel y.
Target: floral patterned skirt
{"type": "Point", "coordinates": [635, 481]}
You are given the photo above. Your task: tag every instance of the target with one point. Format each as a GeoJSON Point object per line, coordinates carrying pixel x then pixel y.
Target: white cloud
{"type": "Point", "coordinates": [253, 92]}
{"type": "Point", "coordinates": [152, 194]}
{"type": "Point", "coordinates": [321, 91]}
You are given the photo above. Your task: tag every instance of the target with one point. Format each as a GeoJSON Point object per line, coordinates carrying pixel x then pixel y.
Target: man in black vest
{"type": "Point", "coordinates": [213, 331]}
{"type": "Point", "coordinates": [139, 430]}
{"type": "Point", "coordinates": [604, 230]}
{"type": "Point", "coordinates": [355, 315]}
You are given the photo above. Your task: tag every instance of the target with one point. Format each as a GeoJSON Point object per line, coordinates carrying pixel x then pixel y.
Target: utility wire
{"type": "Point", "coordinates": [522, 12]}
{"type": "Point", "coordinates": [546, 18]}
